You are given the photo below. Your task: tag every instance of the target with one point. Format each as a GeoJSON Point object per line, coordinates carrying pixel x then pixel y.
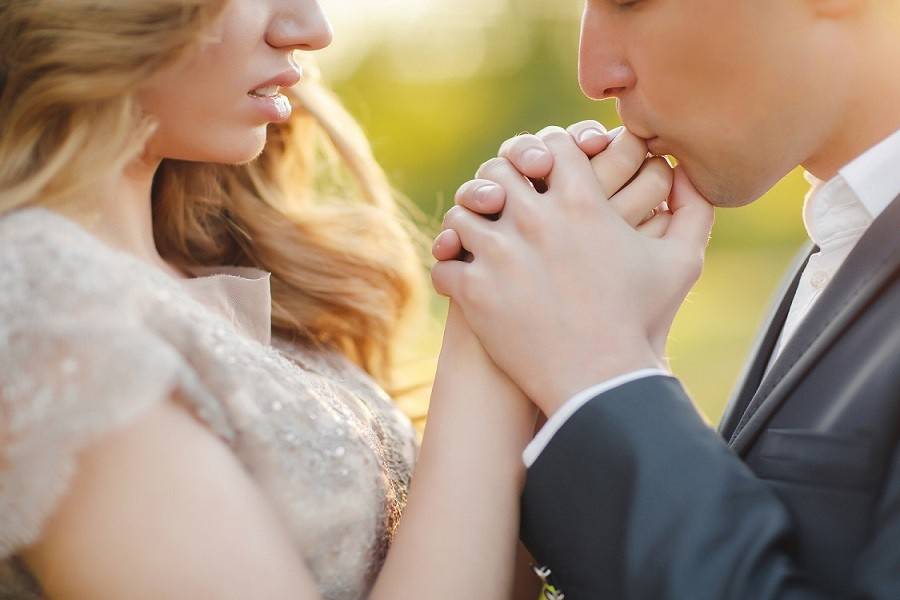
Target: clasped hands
{"type": "Point", "coordinates": [569, 255]}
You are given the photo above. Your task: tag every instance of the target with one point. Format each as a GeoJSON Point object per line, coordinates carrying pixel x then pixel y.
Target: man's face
{"type": "Point", "coordinates": [739, 91]}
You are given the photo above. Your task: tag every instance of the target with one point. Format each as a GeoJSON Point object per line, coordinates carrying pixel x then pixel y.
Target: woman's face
{"type": "Point", "coordinates": [215, 106]}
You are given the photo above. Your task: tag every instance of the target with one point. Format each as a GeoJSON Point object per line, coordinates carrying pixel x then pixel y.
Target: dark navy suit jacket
{"type": "Point", "coordinates": [797, 496]}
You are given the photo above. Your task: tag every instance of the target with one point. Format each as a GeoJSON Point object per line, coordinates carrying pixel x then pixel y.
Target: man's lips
{"type": "Point", "coordinates": [657, 147]}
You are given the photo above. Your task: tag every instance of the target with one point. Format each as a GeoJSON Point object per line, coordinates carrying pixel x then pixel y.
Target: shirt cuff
{"type": "Point", "coordinates": [559, 418]}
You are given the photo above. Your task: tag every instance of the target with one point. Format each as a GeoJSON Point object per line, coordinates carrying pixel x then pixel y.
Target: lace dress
{"type": "Point", "coordinates": [91, 337]}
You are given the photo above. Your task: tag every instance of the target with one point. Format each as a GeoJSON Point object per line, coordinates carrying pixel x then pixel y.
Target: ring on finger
{"type": "Point", "coordinates": [652, 214]}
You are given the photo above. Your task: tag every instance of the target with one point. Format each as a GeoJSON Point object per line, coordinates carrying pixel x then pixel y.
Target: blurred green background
{"type": "Point", "coordinates": [439, 84]}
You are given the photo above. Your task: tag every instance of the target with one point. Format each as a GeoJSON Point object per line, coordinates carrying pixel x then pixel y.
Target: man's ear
{"type": "Point", "coordinates": [838, 8]}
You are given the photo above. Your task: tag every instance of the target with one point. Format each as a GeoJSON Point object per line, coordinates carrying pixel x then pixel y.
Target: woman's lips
{"type": "Point", "coordinates": [274, 109]}
{"type": "Point", "coordinates": [268, 99]}
{"type": "Point", "coordinates": [288, 78]}
{"type": "Point", "coordinates": [266, 92]}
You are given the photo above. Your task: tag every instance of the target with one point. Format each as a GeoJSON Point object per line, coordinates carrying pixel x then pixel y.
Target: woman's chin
{"type": "Point", "coordinates": [240, 149]}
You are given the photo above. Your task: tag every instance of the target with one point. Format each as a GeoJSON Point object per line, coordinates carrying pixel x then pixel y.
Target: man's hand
{"type": "Point", "coordinates": [562, 290]}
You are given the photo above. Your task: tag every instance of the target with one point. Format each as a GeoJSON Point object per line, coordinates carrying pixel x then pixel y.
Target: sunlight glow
{"type": "Point", "coordinates": [430, 40]}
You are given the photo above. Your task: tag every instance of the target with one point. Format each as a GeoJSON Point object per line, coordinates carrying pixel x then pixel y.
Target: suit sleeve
{"type": "Point", "coordinates": [635, 498]}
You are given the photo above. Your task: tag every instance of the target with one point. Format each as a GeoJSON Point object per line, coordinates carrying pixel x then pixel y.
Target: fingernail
{"type": "Point", "coordinates": [533, 155]}
{"type": "Point", "coordinates": [589, 134]}
{"type": "Point", "coordinates": [614, 133]}
{"type": "Point", "coordinates": [483, 192]}
{"type": "Point", "coordinates": [440, 241]}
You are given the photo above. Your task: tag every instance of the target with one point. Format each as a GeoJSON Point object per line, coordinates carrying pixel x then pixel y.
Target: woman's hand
{"type": "Point", "coordinates": [616, 157]}
{"type": "Point", "coordinates": [562, 291]}
{"type": "Point", "coordinates": [459, 532]}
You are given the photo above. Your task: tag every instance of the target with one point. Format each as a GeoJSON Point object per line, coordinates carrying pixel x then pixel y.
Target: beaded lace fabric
{"type": "Point", "coordinates": [91, 337]}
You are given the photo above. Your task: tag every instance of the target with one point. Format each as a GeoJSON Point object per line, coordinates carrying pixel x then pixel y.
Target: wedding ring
{"type": "Point", "coordinates": [650, 216]}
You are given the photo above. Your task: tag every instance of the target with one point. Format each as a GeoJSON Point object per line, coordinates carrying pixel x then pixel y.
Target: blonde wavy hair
{"type": "Point", "coordinates": [314, 209]}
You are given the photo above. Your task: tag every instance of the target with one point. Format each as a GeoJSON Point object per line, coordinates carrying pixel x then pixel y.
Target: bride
{"type": "Point", "coordinates": [193, 319]}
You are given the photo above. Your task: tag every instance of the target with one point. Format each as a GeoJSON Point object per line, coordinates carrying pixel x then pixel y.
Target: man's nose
{"type": "Point", "coordinates": [600, 81]}
{"type": "Point", "coordinates": [602, 69]}
{"type": "Point", "coordinates": [302, 28]}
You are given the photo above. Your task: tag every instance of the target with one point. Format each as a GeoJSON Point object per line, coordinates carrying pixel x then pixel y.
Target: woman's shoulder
{"type": "Point", "coordinates": [32, 232]}
{"type": "Point", "coordinates": [79, 357]}
{"type": "Point", "coordinates": [49, 265]}
{"type": "Point", "coordinates": [82, 324]}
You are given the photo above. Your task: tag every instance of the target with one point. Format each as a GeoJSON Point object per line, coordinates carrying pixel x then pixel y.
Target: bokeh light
{"type": "Point", "coordinates": [439, 84]}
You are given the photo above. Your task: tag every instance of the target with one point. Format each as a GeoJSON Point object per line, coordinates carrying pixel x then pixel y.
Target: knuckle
{"type": "Point", "coordinates": [518, 144]}
{"type": "Point", "coordinates": [579, 206]}
{"type": "Point", "coordinates": [490, 166]}
{"type": "Point", "coordinates": [576, 202]}
{"type": "Point", "coordinates": [591, 123]}
{"type": "Point", "coordinates": [552, 130]}
{"type": "Point", "coordinates": [453, 216]}
{"type": "Point", "coordinates": [575, 128]}
{"type": "Point", "coordinates": [556, 135]}
{"type": "Point", "coordinates": [527, 220]}
{"type": "Point", "coordinates": [565, 194]}
{"type": "Point", "coordinates": [464, 192]}
{"type": "Point", "coordinates": [493, 244]}
{"type": "Point", "coordinates": [508, 144]}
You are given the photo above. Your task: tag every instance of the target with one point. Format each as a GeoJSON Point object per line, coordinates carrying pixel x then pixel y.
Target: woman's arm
{"type": "Point", "coordinates": [163, 509]}
{"type": "Point", "coordinates": [459, 532]}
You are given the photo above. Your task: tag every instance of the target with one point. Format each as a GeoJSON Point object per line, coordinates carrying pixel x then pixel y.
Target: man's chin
{"type": "Point", "coordinates": [726, 198]}
{"type": "Point", "coordinates": [723, 193]}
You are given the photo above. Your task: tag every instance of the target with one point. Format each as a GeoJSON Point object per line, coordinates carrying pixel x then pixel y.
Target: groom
{"type": "Point", "coordinates": [628, 494]}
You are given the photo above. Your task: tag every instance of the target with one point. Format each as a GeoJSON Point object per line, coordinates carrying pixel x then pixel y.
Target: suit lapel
{"type": "Point", "coordinates": [764, 346]}
{"type": "Point", "coordinates": [873, 262]}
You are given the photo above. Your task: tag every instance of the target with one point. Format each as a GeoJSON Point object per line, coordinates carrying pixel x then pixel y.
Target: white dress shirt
{"type": "Point", "coordinates": [836, 215]}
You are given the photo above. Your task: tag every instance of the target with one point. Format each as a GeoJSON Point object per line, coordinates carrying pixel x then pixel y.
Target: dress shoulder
{"type": "Point", "coordinates": [77, 359]}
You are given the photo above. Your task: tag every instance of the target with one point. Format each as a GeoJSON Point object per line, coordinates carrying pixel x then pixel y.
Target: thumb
{"type": "Point", "coordinates": [692, 214]}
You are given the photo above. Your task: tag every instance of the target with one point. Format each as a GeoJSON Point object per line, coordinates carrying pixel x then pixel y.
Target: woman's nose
{"type": "Point", "coordinates": [303, 28]}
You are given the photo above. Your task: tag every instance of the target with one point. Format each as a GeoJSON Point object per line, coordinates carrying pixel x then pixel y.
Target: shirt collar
{"type": "Point", "coordinates": [842, 208]}
{"type": "Point", "coordinates": [874, 176]}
